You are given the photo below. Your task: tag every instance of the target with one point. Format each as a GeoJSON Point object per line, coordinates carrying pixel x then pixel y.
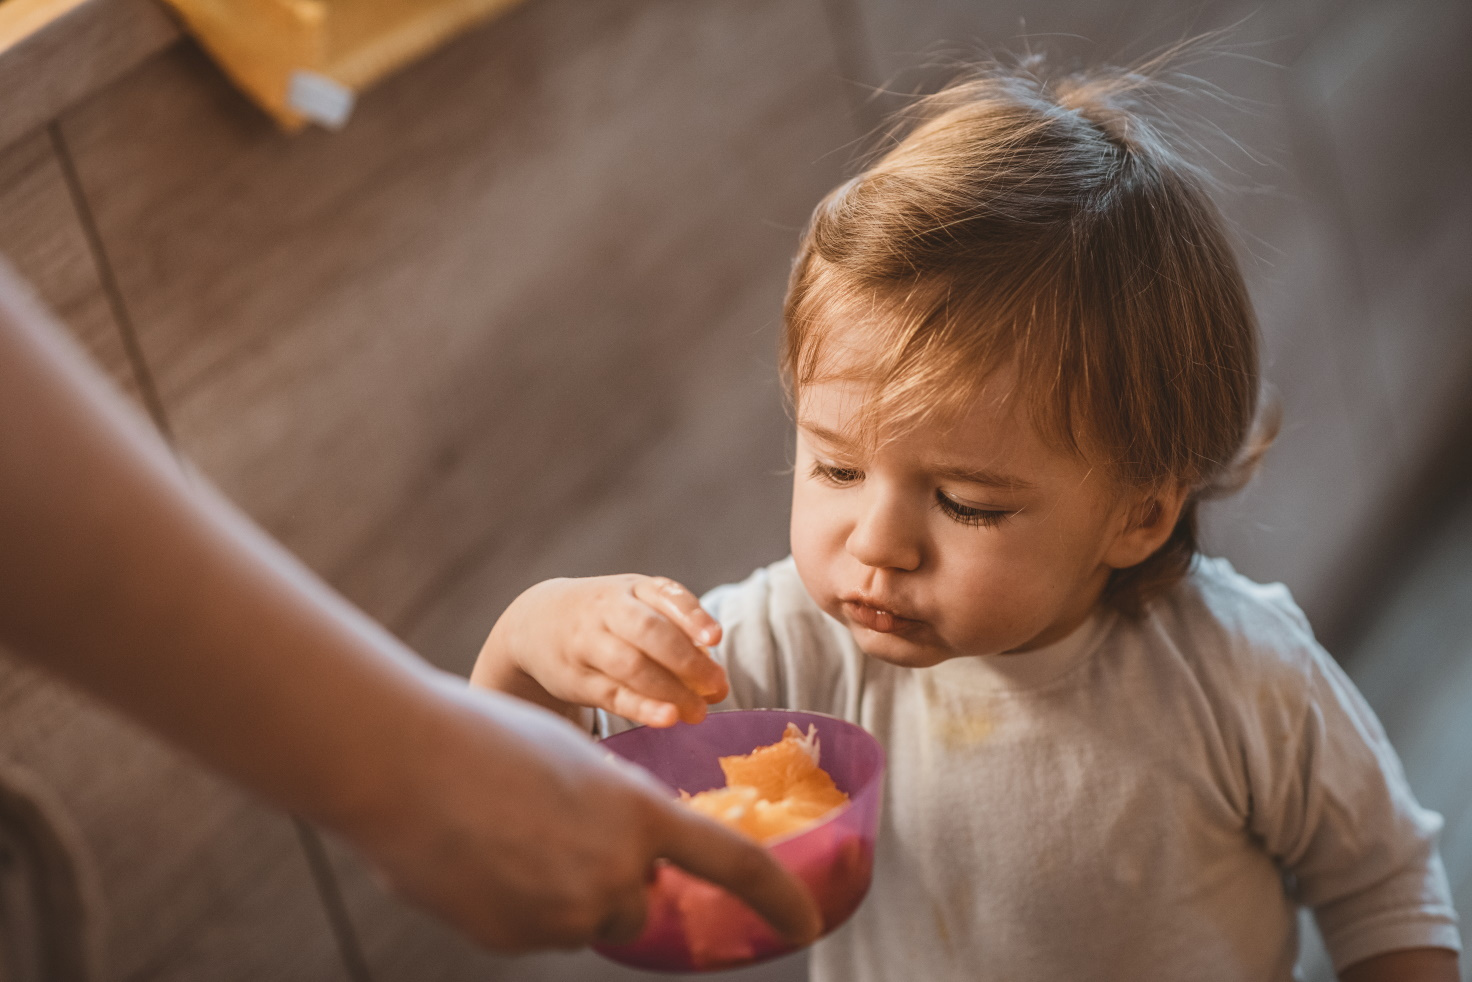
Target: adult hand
{"type": "Point", "coordinates": [154, 594]}
{"type": "Point", "coordinates": [520, 831]}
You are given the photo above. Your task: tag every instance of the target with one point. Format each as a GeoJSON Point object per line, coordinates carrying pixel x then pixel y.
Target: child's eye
{"type": "Point", "coordinates": [967, 515]}
{"type": "Point", "coordinates": [838, 476]}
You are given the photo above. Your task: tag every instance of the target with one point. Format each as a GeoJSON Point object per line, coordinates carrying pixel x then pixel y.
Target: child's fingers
{"type": "Point", "coordinates": [681, 606]}
{"type": "Point", "coordinates": [651, 622]}
{"type": "Point", "coordinates": [650, 631]}
{"type": "Point", "coordinates": [630, 668]}
{"type": "Point", "coordinates": [623, 701]}
{"type": "Point", "coordinates": [593, 688]}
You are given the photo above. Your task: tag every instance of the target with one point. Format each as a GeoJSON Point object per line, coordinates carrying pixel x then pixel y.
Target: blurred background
{"type": "Point", "coordinates": [518, 319]}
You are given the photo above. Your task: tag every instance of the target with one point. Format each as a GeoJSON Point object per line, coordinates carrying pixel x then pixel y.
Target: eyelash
{"type": "Point", "coordinates": [837, 476]}
{"type": "Point", "coordinates": [842, 477]}
{"type": "Point", "coordinates": [966, 515]}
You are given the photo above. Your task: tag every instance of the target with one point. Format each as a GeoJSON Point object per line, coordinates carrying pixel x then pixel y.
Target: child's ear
{"type": "Point", "coordinates": [1150, 517]}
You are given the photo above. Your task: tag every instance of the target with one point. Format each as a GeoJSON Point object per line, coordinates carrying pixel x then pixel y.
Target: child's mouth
{"type": "Point", "coordinates": [877, 619]}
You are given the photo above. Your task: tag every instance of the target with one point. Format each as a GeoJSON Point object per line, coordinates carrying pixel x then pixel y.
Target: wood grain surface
{"type": "Point", "coordinates": [198, 882]}
{"type": "Point", "coordinates": [71, 55]}
{"type": "Point", "coordinates": [42, 239]}
{"type": "Point", "coordinates": [416, 347]}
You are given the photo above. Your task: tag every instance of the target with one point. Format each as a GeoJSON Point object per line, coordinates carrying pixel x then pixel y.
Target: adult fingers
{"type": "Point", "coordinates": [626, 920]}
{"type": "Point", "coordinates": [745, 868]}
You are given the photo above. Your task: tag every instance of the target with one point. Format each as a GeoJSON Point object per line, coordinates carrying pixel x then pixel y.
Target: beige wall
{"type": "Point", "coordinates": [518, 319]}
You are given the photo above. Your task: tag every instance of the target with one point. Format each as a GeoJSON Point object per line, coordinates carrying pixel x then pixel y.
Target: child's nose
{"type": "Point", "coordinates": [884, 536]}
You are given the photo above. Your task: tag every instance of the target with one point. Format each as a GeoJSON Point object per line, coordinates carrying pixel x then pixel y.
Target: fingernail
{"type": "Point", "coordinates": [710, 635]}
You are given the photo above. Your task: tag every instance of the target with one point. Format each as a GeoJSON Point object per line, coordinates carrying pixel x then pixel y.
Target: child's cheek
{"type": "Point", "coordinates": [999, 600]}
{"type": "Point", "coordinates": [811, 543]}
{"type": "Point", "coordinates": [817, 581]}
{"type": "Point", "coordinates": [818, 528]}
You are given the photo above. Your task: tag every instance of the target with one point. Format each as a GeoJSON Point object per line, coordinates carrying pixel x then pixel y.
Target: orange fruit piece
{"type": "Point", "coordinates": [731, 806]}
{"type": "Point", "coordinates": [774, 790]}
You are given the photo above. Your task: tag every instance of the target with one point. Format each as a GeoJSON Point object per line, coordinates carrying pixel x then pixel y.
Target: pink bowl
{"type": "Point", "coordinates": [696, 926]}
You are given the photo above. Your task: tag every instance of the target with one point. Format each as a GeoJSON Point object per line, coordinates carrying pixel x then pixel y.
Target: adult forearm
{"type": "Point", "coordinates": [147, 589]}
{"type": "Point", "coordinates": [124, 575]}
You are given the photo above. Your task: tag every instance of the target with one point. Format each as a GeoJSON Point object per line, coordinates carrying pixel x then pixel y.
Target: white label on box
{"type": "Point", "coordinates": [319, 98]}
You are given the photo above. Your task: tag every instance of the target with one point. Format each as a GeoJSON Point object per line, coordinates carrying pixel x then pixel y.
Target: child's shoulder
{"type": "Point", "coordinates": [1225, 622]}
{"type": "Point", "coordinates": [780, 649]}
{"type": "Point", "coordinates": [1241, 603]}
{"type": "Point", "coordinates": [772, 609]}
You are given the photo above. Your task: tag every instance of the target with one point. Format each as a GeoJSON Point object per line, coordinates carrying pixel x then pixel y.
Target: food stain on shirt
{"type": "Point", "coordinates": [963, 730]}
{"type": "Point", "coordinates": [954, 723]}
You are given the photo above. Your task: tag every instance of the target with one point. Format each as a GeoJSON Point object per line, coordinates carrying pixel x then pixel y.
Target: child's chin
{"type": "Point", "coordinates": [897, 650]}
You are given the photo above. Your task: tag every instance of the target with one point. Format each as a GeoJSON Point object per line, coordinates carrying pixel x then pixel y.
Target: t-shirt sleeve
{"type": "Point", "coordinates": [748, 649]}
{"type": "Point", "coordinates": [780, 651]}
{"type": "Point", "coordinates": [1330, 802]}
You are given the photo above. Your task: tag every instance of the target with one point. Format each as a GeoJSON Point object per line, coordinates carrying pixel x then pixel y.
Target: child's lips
{"type": "Point", "coordinates": [876, 618]}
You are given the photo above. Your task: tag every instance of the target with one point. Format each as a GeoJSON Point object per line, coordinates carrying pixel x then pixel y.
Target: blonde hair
{"type": "Point", "coordinates": [1051, 226]}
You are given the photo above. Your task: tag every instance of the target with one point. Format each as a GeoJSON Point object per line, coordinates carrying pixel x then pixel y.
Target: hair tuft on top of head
{"type": "Point", "coordinates": [1055, 226]}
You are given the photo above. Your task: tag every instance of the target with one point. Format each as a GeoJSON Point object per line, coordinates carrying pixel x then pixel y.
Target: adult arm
{"type": "Point", "coordinates": [147, 589]}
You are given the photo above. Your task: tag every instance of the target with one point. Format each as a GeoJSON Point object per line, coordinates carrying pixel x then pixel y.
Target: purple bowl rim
{"type": "Point", "coordinates": [876, 779]}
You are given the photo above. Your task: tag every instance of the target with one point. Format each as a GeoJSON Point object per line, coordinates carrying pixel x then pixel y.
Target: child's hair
{"type": "Point", "coordinates": [1051, 227]}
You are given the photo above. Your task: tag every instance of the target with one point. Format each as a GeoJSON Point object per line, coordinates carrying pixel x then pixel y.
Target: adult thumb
{"type": "Point", "coordinates": [750, 871]}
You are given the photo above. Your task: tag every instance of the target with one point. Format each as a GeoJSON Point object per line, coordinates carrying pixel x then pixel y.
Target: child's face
{"type": "Point", "coordinates": [969, 537]}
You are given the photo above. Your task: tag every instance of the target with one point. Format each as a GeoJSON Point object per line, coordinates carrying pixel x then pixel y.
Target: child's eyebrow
{"type": "Point", "coordinates": [993, 479]}
{"type": "Point", "coordinates": [831, 437]}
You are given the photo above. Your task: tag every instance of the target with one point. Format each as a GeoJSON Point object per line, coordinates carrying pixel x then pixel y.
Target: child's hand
{"type": "Point", "coordinates": [629, 644]}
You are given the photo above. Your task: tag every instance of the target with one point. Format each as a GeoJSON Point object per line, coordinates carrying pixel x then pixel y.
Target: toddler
{"type": "Point", "coordinates": [1020, 353]}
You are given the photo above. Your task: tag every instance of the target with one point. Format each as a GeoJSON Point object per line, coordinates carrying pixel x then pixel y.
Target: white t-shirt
{"type": "Point", "coordinates": [1146, 799]}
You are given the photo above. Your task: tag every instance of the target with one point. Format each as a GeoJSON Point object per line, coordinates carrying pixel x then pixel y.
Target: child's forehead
{"type": "Point", "coordinates": [991, 442]}
{"type": "Point", "coordinates": [888, 379]}
{"type": "Point", "coordinates": [996, 419]}
{"type": "Point", "coordinates": [850, 411]}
